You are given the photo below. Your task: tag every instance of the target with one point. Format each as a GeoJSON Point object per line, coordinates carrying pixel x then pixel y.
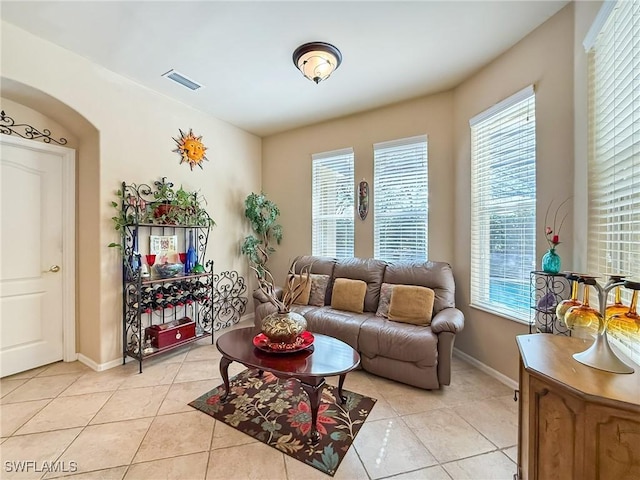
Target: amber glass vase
{"type": "Point", "coordinates": [583, 316]}
{"type": "Point", "coordinates": [617, 307]}
{"type": "Point", "coordinates": [627, 321]}
{"type": "Point", "coordinates": [565, 305]}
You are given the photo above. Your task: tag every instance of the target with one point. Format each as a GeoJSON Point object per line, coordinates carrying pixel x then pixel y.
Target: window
{"type": "Point", "coordinates": [503, 205]}
{"type": "Point", "coordinates": [400, 197]}
{"type": "Point", "coordinates": [333, 203]}
{"type": "Point", "coordinates": [613, 47]}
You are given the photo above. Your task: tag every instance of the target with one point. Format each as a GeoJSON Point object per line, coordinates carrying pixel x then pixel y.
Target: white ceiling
{"type": "Point", "coordinates": [241, 51]}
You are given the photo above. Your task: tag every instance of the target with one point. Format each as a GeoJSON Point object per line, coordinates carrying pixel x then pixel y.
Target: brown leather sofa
{"type": "Point", "coordinates": [413, 354]}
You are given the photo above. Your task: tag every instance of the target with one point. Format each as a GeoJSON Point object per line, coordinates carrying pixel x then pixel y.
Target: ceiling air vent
{"type": "Point", "coordinates": [182, 80]}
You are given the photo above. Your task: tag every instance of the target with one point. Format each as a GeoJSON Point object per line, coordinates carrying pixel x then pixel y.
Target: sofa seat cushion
{"type": "Point", "coordinates": [339, 324]}
{"type": "Point", "coordinates": [401, 341]}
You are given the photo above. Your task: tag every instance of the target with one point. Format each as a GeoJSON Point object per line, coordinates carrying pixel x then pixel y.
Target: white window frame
{"type": "Point", "coordinates": [505, 132]}
{"type": "Point", "coordinates": [401, 174]}
{"type": "Point", "coordinates": [333, 200]}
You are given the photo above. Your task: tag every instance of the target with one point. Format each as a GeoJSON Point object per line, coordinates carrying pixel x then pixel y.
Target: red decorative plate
{"type": "Point", "coordinates": [304, 340]}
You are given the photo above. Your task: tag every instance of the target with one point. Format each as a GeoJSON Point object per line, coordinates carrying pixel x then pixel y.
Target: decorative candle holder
{"type": "Point", "coordinates": [600, 355]}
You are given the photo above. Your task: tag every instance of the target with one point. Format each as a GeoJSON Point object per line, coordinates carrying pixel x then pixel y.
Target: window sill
{"type": "Point", "coordinates": [500, 314]}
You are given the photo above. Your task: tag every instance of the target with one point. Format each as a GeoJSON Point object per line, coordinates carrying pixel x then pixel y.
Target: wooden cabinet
{"type": "Point", "coordinates": [575, 422]}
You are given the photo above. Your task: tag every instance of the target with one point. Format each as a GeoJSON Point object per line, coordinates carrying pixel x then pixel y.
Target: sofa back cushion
{"type": "Point", "coordinates": [369, 270]}
{"type": "Point", "coordinates": [320, 266]}
{"type": "Point", "coordinates": [434, 275]}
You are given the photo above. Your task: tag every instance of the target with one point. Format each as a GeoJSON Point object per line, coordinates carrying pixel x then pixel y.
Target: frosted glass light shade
{"type": "Point", "coordinates": [317, 60]}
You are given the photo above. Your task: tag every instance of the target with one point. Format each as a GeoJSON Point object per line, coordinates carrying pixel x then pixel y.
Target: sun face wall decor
{"type": "Point", "coordinates": [191, 149]}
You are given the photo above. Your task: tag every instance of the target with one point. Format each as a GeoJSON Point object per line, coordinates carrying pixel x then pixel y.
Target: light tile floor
{"type": "Point", "coordinates": [120, 425]}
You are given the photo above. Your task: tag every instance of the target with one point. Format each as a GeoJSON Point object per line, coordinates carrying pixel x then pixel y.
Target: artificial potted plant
{"type": "Point", "coordinates": [179, 207]}
{"type": "Point", "coordinates": [162, 205]}
{"type": "Point", "coordinates": [262, 215]}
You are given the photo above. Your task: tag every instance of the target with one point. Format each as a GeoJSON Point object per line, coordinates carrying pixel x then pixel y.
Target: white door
{"type": "Point", "coordinates": [34, 254]}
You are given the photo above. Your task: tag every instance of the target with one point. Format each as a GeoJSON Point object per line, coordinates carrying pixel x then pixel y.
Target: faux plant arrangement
{"type": "Point", "coordinates": [179, 207]}
{"type": "Point", "coordinates": [262, 214]}
{"type": "Point", "coordinates": [551, 260]}
{"type": "Point", "coordinates": [161, 205]}
{"type": "Point", "coordinates": [284, 326]}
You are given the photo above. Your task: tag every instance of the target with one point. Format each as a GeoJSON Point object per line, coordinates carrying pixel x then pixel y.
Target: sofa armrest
{"type": "Point", "coordinates": [448, 320]}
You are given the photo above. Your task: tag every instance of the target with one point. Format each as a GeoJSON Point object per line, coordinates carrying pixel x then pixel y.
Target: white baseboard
{"type": "Point", "coordinates": [245, 321]}
{"type": "Point", "coordinates": [486, 369]}
{"type": "Point", "coordinates": [98, 367]}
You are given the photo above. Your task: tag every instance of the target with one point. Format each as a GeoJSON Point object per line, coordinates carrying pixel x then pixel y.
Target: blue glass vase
{"type": "Point", "coordinates": [551, 261]}
{"type": "Point", "coordinates": [192, 256]}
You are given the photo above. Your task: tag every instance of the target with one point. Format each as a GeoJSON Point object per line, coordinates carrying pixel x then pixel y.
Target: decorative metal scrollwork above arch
{"type": "Point", "coordinates": [228, 302]}
{"type": "Point", "coordinates": [9, 127]}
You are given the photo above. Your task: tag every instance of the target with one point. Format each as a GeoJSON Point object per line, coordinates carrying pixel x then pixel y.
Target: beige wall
{"type": "Point", "coordinates": [124, 132]}
{"type": "Point", "coordinates": [287, 171]}
{"type": "Point", "coordinates": [132, 140]}
{"type": "Point", "coordinates": [545, 59]}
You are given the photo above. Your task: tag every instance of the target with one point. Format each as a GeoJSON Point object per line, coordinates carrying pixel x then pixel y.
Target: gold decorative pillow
{"type": "Point", "coordinates": [411, 304]}
{"type": "Point", "coordinates": [348, 295]}
{"type": "Point", "coordinates": [303, 299]}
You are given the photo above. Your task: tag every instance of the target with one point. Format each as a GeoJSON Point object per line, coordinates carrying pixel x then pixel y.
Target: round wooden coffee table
{"type": "Point", "coordinates": [327, 357]}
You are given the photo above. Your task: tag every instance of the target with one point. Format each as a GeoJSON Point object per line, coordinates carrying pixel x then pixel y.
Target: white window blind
{"type": "Point", "coordinates": [614, 153]}
{"type": "Point", "coordinates": [400, 196]}
{"type": "Point", "coordinates": [333, 203]}
{"type": "Point", "coordinates": [503, 205]}
{"type": "Point", "coordinates": [614, 150]}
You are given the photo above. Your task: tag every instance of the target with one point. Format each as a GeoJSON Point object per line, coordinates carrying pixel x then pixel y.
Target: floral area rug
{"type": "Point", "coordinates": [277, 413]}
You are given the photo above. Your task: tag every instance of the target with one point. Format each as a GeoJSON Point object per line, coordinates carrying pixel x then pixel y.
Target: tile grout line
{"type": "Point", "coordinates": [184, 361]}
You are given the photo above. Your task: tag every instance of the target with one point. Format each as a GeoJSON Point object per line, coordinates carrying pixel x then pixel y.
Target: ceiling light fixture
{"type": "Point", "coordinates": [317, 60]}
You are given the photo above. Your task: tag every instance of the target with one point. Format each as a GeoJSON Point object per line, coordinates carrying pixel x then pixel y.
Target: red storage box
{"type": "Point", "coordinates": [170, 333]}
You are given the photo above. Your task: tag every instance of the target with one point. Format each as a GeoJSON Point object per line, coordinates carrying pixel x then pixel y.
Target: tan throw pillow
{"type": "Point", "coordinates": [385, 298]}
{"type": "Point", "coordinates": [411, 304]}
{"type": "Point", "coordinates": [319, 285]}
{"type": "Point", "coordinates": [348, 295]}
{"type": "Point", "coordinates": [303, 299]}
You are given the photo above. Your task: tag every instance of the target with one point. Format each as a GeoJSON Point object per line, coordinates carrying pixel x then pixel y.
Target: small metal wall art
{"type": "Point", "coordinates": [363, 199]}
{"type": "Point", "coordinates": [9, 127]}
{"type": "Point", "coordinates": [191, 149]}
